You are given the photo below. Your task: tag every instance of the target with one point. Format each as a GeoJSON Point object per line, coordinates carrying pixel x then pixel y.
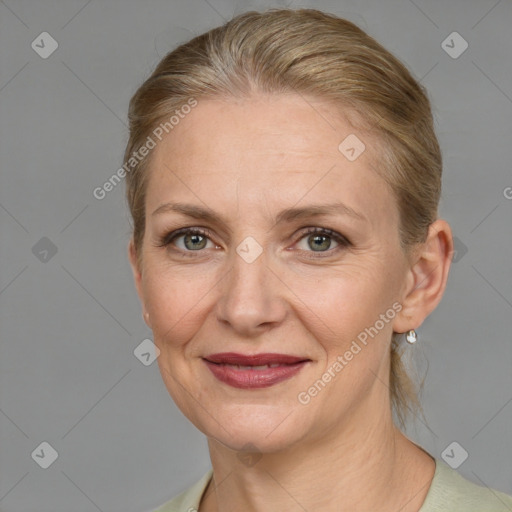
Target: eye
{"type": "Point", "coordinates": [188, 240]}
{"type": "Point", "coordinates": [319, 240]}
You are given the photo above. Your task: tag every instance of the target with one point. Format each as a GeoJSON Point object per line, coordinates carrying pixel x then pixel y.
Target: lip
{"type": "Point", "coordinates": [225, 367]}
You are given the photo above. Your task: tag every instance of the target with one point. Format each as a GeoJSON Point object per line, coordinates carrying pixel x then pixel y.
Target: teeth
{"type": "Point", "coordinates": [260, 367]}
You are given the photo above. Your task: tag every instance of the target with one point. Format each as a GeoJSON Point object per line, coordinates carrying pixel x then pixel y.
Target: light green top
{"type": "Point", "coordinates": [449, 492]}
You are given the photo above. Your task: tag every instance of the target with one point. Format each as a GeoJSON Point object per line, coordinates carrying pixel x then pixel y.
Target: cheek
{"type": "Point", "coordinates": [176, 308]}
{"type": "Point", "coordinates": [350, 315]}
{"type": "Point", "coordinates": [175, 304]}
{"type": "Point", "coordinates": [344, 301]}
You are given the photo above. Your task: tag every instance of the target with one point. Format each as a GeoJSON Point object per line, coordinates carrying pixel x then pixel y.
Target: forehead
{"type": "Point", "coordinates": [276, 149]}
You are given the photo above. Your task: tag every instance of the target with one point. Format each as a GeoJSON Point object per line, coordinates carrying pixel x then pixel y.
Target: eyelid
{"type": "Point", "coordinates": [167, 238]}
{"type": "Point", "coordinates": [342, 241]}
{"type": "Point", "coordinates": [325, 231]}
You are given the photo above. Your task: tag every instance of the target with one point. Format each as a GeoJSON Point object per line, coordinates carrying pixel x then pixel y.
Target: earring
{"type": "Point", "coordinates": [411, 337]}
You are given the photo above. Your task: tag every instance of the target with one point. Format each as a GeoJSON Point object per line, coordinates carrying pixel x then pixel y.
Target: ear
{"type": "Point", "coordinates": [426, 277]}
{"type": "Point", "coordinates": [137, 277]}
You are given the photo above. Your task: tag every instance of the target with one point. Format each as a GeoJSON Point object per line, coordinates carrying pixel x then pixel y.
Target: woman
{"type": "Point", "coordinates": [283, 178]}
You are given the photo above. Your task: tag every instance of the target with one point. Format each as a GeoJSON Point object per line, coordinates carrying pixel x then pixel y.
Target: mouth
{"type": "Point", "coordinates": [254, 371]}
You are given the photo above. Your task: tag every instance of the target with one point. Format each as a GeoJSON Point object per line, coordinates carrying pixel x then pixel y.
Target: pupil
{"type": "Point", "coordinates": [195, 238]}
{"type": "Point", "coordinates": [318, 237]}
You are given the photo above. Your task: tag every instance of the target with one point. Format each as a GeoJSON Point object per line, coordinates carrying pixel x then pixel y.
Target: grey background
{"type": "Point", "coordinates": [70, 321]}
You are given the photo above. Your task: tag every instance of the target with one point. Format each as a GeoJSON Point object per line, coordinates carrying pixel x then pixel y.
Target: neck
{"type": "Point", "coordinates": [359, 466]}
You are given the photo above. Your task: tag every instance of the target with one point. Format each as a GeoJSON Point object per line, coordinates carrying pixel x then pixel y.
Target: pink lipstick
{"type": "Point", "coordinates": [253, 371]}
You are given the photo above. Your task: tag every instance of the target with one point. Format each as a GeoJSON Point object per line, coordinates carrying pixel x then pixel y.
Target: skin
{"type": "Point", "coordinates": [247, 160]}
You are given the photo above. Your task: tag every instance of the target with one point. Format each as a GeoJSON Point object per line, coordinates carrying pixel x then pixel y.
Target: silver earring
{"type": "Point", "coordinates": [411, 337]}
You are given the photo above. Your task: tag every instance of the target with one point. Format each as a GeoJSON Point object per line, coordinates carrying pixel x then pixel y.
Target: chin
{"type": "Point", "coordinates": [256, 428]}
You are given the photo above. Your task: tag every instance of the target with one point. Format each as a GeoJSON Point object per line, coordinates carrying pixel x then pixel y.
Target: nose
{"type": "Point", "coordinates": [252, 297]}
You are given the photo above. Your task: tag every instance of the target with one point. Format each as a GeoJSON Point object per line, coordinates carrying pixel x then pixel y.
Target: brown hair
{"type": "Point", "coordinates": [317, 54]}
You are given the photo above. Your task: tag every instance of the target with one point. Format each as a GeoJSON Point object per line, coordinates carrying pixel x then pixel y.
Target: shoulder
{"type": "Point", "coordinates": [450, 491]}
{"type": "Point", "coordinates": [188, 500]}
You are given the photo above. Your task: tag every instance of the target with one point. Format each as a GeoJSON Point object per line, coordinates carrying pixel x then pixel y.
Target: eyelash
{"type": "Point", "coordinates": [343, 242]}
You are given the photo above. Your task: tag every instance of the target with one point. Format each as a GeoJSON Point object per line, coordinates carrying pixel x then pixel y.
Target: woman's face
{"type": "Point", "coordinates": [255, 176]}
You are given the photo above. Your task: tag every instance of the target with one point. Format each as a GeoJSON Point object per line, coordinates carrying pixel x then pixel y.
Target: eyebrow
{"type": "Point", "coordinates": [285, 216]}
